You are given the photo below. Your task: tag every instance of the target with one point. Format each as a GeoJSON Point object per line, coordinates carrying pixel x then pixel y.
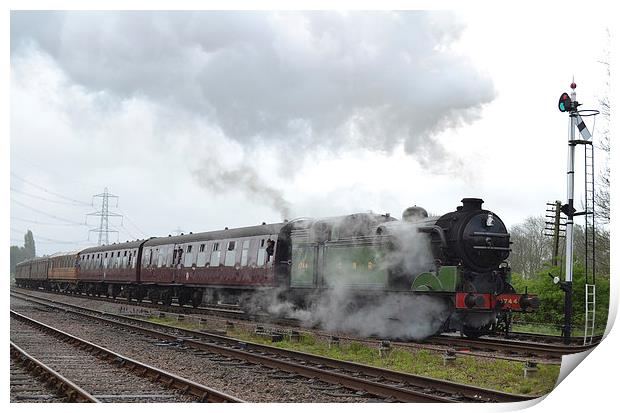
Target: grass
{"type": "Point", "coordinates": [554, 331]}
{"type": "Point", "coordinates": [503, 375]}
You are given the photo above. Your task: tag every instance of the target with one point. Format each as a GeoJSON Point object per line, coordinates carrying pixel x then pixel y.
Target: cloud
{"type": "Point", "coordinates": [237, 103]}
{"type": "Point", "coordinates": [302, 80]}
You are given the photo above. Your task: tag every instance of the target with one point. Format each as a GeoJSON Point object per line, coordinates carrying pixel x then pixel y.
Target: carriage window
{"type": "Point", "coordinates": [202, 257]}
{"type": "Point", "coordinates": [190, 259]}
{"type": "Point", "coordinates": [215, 255]}
{"type": "Point", "coordinates": [231, 252]}
{"type": "Point", "coordinates": [244, 252]}
{"type": "Point", "coordinates": [179, 255]}
{"type": "Point", "coordinates": [262, 254]}
{"type": "Point", "coordinates": [168, 256]}
{"type": "Point", "coordinates": [160, 258]}
{"type": "Point", "coordinates": [148, 257]}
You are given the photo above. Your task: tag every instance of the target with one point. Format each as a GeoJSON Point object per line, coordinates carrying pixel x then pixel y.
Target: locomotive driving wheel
{"type": "Point", "coordinates": [503, 324]}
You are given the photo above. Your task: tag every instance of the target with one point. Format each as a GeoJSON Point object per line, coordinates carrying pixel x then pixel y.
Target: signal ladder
{"type": "Point", "coordinates": [590, 244]}
{"type": "Point", "coordinates": [590, 313]}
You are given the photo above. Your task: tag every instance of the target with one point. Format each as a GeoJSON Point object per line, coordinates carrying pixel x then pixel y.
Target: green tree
{"type": "Point", "coordinates": [29, 247]}
{"type": "Point", "coordinates": [551, 310]}
{"type": "Point", "coordinates": [531, 249]}
{"type": "Point", "coordinates": [19, 254]}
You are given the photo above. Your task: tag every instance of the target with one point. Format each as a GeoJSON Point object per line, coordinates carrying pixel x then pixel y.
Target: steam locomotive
{"type": "Point", "coordinates": [448, 273]}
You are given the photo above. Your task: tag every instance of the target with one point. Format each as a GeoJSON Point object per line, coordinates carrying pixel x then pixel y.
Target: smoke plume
{"type": "Point", "coordinates": [218, 179]}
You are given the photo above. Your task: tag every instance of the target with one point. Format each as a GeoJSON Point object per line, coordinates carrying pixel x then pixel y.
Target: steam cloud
{"type": "Point", "coordinates": [219, 179]}
{"type": "Point", "coordinates": [393, 316]}
{"type": "Point", "coordinates": [291, 81]}
{"type": "Point", "coordinates": [389, 315]}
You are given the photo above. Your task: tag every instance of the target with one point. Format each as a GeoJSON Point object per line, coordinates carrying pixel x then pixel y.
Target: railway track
{"type": "Point", "coordinates": [32, 381]}
{"type": "Point", "coordinates": [381, 383]}
{"type": "Point", "coordinates": [526, 348]}
{"type": "Point", "coordinates": [520, 344]}
{"type": "Point", "coordinates": [545, 338]}
{"type": "Point", "coordinates": [102, 375]}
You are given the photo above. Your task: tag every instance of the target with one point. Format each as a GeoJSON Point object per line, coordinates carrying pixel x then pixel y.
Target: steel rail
{"type": "Point", "coordinates": [520, 347]}
{"type": "Point", "coordinates": [250, 349]}
{"type": "Point", "coordinates": [544, 338]}
{"type": "Point", "coordinates": [51, 377]}
{"type": "Point", "coordinates": [203, 393]}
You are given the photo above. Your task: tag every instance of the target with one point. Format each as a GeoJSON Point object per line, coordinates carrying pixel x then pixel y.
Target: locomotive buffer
{"type": "Point", "coordinates": [569, 104]}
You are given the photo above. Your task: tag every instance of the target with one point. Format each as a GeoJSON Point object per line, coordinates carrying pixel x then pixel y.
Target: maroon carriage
{"type": "Point", "coordinates": [108, 269]}
{"type": "Point", "coordinates": [217, 266]}
{"type": "Point", "coordinates": [32, 273]}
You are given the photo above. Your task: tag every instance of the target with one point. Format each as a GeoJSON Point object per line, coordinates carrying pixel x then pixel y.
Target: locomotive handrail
{"type": "Point", "coordinates": [437, 229]}
{"type": "Point", "coordinates": [484, 247]}
{"type": "Point", "coordinates": [491, 234]}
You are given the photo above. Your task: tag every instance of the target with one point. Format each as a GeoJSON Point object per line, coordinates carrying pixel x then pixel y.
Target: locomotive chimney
{"type": "Point", "coordinates": [472, 204]}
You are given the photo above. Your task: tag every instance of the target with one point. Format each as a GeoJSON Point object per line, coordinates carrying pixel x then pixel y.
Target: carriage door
{"type": "Point", "coordinates": [176, 267]}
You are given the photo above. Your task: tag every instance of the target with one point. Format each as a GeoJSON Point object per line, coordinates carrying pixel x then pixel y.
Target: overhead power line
{"type": "Point", "coordinates": [51, 240]}
{"type": "Point", "coordinates": [144, 234]}
{"type": "Point", "coordinates": [45, 223]}
{"type": "Point", "coordinates": [47, 199]}
{"type": "Point", "coordinates": [48, 191]}
{"type": "Point", "coordinates": [124, 230]}
{"type": "Point", "coordinates": [45, 213]}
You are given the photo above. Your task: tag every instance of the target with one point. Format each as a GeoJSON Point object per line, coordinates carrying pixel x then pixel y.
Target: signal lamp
{"type": "Point", "coordinates": [565, 103]}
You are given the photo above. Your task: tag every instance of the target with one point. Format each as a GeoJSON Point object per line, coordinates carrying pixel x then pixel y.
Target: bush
{"type": "Point", "coordinates": [551, 310]}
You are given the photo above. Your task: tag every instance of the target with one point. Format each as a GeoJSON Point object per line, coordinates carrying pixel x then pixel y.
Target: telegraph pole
{"type": "Point", "coordinates": [105, 215]}
{"type": "Point", "coordinates": [555, 228]}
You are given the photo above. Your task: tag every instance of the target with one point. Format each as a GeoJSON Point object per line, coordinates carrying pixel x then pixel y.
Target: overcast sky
{"type": "Point", "coordinates": [201, 120]}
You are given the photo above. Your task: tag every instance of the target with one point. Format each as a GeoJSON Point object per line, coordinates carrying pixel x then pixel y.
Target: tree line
{"type": "Point", "coordinates": [19, 254]}
{"type": "Point", "coordinates": [532, 250]}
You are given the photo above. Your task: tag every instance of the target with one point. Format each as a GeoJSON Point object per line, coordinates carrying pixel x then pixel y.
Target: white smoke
{"type": "Point", "coordinates": [397, 316]}
{"type": "Point", "coordinates": [218, 178]}
{"type": "Point", "coordinates": [340, 307]}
